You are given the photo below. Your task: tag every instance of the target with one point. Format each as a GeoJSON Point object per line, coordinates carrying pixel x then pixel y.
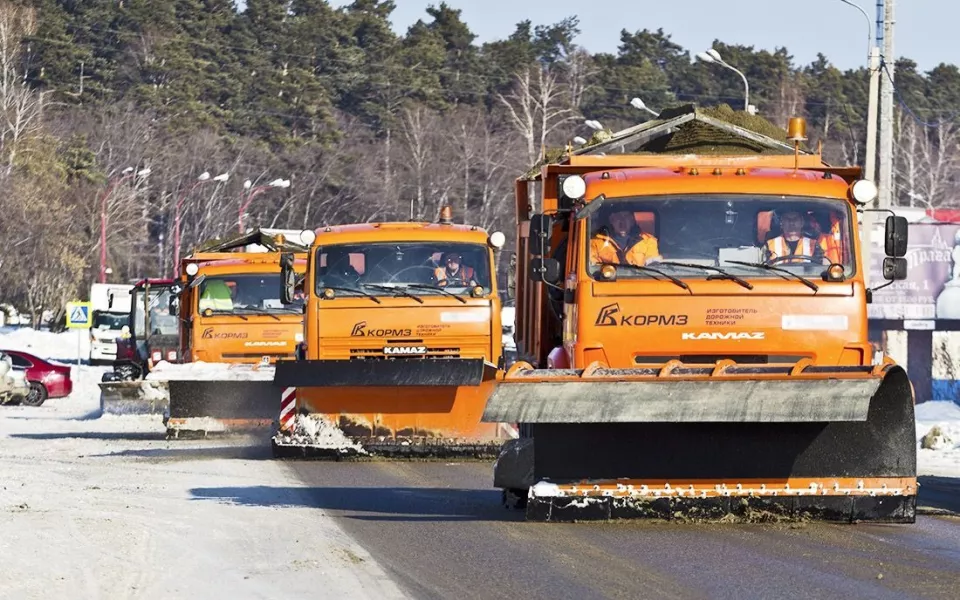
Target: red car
{"type": "Point", "coordinates": [47, 380]}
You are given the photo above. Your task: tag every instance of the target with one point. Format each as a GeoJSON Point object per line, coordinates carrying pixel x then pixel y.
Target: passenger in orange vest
{"type": "Point", "coordinates": [453, 272]}
{"type": "Point", "coordinates": [622, 242]}
{"type": "Point", "coordinates": [792, 242]}
{"type": "Point", "coordinates": [831, 242]}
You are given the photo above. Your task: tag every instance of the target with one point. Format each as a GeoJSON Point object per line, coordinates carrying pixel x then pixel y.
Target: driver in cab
{"type": "Point", "coordinates": [620, 241]}
{"type": "Point", "coordinates": [452, 271]}
{"type": "Point", "coordinates": [792, 242]}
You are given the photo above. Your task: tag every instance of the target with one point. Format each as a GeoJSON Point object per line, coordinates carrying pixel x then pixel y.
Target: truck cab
{"type": "Point", "coordinates": [230, 310]}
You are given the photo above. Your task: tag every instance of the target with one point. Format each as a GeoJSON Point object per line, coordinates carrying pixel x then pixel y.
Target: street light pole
{"type": "Point", "coordinates": [205, 176]}
{"type": "Point", "coordinates": [253, 193]}
{"type": "Point", "coordinates": [712, 56]}
{"type": "Point", "coordinates": [103, 222]}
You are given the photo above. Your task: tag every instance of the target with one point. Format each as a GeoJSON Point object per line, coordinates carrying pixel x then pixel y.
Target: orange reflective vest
{"type": "Point", "coordinates": [464, 275]}
{"type": "Point", "coordinates": [778, 247]}
{"type": "Point", "coordinates": [831, 243]}
{"type": "Point", "coordinates": [603, 249]}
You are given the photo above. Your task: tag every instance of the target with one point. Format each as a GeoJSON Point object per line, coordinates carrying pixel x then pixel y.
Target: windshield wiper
{"type": "Point", "coordinates": [257, 311]}
{"type": "Point", "coordinates": [399, 290]}
{"type": "Point", "coordinates": [721, 274]}
{"type": "Point", "coordinates": [361, 292]}
{"type": "Point", "coordinates": [229, 313]}
{"type": "Point", "coordinates": [438, 288]}
{"type": "Point", "coordinates": [644, 269]}
{"type": "Point", "coordinates": [803, 279]}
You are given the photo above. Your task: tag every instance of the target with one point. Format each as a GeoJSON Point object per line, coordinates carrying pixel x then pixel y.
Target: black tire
{"type": "Point", "coordinates": [37, 396]}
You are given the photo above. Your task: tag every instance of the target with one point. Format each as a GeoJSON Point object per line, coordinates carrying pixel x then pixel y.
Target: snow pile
{"type": "Point", "coordinates": [938, 438]}
{"type": "Point", "coordinates": [317, 431]}
{"type": "Point", "coordinates": [57, 346]}
{"type": "Point", "coordinates": [201, 371]}
{"type": "Point", "coordinates": [108, 508]}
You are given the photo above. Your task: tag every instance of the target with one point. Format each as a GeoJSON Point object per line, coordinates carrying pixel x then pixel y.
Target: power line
{"type": "Point", "coordinates": [906, 107]}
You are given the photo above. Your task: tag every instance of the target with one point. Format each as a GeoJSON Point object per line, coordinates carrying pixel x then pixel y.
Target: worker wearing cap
{"type": "Point", "coordinates": [453, 271]}
{"type": "Point", "coordinates": [622, 242]}
{"type": "Point", "coordinates": [792, 242]}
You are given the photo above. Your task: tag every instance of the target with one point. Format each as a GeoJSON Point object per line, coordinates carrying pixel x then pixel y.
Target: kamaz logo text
{"type": "Point", "coordinates": [757, 335]}
{"type": "Point", "coordinates": [610, 316]}
{"type": "Point", "coordinates": [393, 350]}
{"type": "Point", "coordinates": [360, 330]}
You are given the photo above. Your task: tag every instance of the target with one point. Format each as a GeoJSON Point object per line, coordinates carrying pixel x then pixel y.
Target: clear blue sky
{"type": "Point", "coordinates": [925, 29]}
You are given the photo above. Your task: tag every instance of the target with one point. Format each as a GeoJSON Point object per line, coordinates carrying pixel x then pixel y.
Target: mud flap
{"type": "Point", "coordinates": [693, 447]}
{"type": "Point", "coordinates": [134, 397]}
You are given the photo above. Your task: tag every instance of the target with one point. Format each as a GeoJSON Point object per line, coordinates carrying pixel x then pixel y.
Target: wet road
{"type": "Point", "coordinates": [441, 533]}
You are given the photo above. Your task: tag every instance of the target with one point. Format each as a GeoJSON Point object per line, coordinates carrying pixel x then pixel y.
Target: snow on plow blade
{"type": "Point", "coordinates": [388, 408]}
{"type": "Point", "coordinates": [206, 398]}
{"type": "Point", "coordinates": [730, 442]}
{"type": "Point", "coordinates": [138, 397]}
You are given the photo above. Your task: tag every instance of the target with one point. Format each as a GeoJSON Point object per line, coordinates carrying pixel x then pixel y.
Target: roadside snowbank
{"type": "Point", "coordinates": [939, 423]}
{"type": "Point", "coordinates": [201, 371]}
{"type": "Point", "coordinates": [106, 507]}
{"type": "Point", "coordinates": [61, 346]}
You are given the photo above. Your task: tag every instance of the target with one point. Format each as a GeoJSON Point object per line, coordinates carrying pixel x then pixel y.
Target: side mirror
{"type": "Point", "coordinates": [895, 237]}
{"type": "Point", "coordinates": [894, 269]}
{"type": "Point", "coordinates": [110, 300]}
{"type": "Point", "coordinates": [545, 269]}
{"type": "Point", "coordinates": [288, 278]}
{"type": "Point", "coordinates": [540, 228]}
{"type": "Point", "coordinates": [174, 306]}
{"type": "Point", "coordinates": [590, 207]}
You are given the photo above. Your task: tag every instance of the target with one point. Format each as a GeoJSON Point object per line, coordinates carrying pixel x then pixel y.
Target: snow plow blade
{"type": "Point", "coordinates": [138, 397]}
{"type": "Point", "coordinates": [224, 398]}
{"type": "Point", "coordinates": [386, 408]}
{"type": "Point", "coordinates": [722, 441]}
{"type": "Point", "coordinates": [384, 373]}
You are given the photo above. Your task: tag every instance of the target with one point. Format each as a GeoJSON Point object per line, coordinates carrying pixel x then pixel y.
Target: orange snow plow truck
{"type": "Point", "coordinates": [402, 342]}
{"type": "Point", "coordinates": [692, 334]}
{"type": "Point", "coordinates": [232, 326]}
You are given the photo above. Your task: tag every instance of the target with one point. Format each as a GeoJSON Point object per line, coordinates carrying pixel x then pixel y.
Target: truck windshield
{"type": "Point", "coordinates": [244, 294]}
{"type": "Point", "coordinates": [422, 268]}
{"type": "Point", "coordinates": [675, 233]}
{"type": "Point", "coordinates": [108, 321]}
{"type": "Point", "coordinates": [161, 321]}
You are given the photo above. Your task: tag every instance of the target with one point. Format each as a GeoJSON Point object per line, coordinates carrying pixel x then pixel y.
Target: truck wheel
{"type": "Point", "coordinates": [37, 395]}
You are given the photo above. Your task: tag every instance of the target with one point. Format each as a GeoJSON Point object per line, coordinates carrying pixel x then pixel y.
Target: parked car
{"type": "Point", "coordinates": [14, 387]}
{"type": "Point", "coordinates": [46, 379]}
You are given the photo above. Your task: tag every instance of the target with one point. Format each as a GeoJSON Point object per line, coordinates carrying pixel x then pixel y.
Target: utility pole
{"type": "Point", "coordinates": [870, 158]}
{"type": "Point", "coordinates": [885, 197]}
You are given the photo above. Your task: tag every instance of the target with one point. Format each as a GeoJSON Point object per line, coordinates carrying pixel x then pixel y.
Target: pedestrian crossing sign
{"type": "Point", "coordinates": [78, 315]}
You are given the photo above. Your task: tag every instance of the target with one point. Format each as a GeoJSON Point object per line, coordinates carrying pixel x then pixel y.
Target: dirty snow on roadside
{"type": "Point", "coordinates": [105, 507]}
{"type": "Point", "coordinates": [938, 438]}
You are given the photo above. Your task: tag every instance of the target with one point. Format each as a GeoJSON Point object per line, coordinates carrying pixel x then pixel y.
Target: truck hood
{"type": "Point", "coordinates": [440, 330]}
{"type": "Point", "coordinates": [232, 339]}
{"type": "Point", "coordinates": [633, 330]}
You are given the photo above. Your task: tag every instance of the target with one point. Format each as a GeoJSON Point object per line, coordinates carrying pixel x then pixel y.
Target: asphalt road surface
{"type": "Point", "coordinates": [440, 531]}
